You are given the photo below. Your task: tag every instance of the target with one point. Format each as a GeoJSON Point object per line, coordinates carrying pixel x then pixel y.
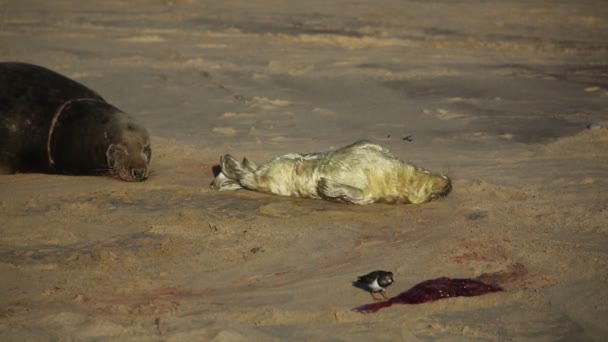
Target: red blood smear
{"type": "Point", "coordinates": [432, 290]}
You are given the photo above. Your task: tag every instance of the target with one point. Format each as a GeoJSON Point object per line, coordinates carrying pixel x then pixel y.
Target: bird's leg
{"type": "Point", "coordinates": [383, 293]}
{"type": "Point", "coordinates": [374, 297]}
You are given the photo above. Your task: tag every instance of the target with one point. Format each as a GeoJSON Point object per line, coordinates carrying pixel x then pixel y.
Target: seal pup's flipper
{"type": "Point", "coordinates": [223, 183]}
{"type": "Point", "coordinates": [242, 174]}
{"type": "Point", "coordinates": [335, 191]}
{"type": "Point", "coordinates": [248, 164]}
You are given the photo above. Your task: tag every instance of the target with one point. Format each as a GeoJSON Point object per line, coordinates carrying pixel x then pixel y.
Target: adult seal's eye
{"type": "Point", "coordinates": [148, 152]}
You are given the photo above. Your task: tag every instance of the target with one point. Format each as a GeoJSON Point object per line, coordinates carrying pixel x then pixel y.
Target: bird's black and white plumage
{"type": "Point", "coordinates": [374, 282]}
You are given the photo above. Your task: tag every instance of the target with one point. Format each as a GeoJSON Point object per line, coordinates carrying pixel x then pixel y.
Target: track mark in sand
{"type": "Point", "coordinates": [586, 180]}
{"type": "Point", "coordinates": [237, 116]}
{"type": "Point", "coordinates": [257, 102]}
{"type": "Point", "coordinates": [444, 114]}
{"type": "Point", "coordinates": [219, 84]}
{"type": "Point", "coordinates": [345, 42]}
{"type": "Point", "coordinates": [266, 103]}
{"type": "Point", "coordinates": [592, 89]}
{"type": "Point", "coordinates": [144, 39]}
{"type": "Point", "coordinates": [154, 302]}
{"type": "Point", "coordinates": [467, 251]}
{"type": "Point", "coordinates": [367, 242]}
{"type": "Point", "coordinates": [323, 111]}
{"type": "Point", "coordinates": [462, 100]}
{"type": "Point", "coordinates": [291, 68]}
{"type": "Point", "coordinates": [596, 90]}
{"type": "Point", "coordinates": [86, 74]}
{"type": "Point", "coordinates": [212, 46]}
{"type": "Point", "coordinates": [49, 256]}
{"type": "Point", "coordinates": [282, 138]}
{"type": "Point", "coordinates": [479, 254]}
{"type": "Point", "coordinates": [228, 131]}
{"type": "Point", "coordinates": [480, 136]}
{"type": "Point", "coordinates": [205, 168]}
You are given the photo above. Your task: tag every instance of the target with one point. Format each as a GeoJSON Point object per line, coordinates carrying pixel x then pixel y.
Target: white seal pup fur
{"type": "Point", "coordinates": [360, 173]}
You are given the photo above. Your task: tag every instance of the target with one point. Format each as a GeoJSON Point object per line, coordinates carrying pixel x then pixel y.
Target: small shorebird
{"type": "Point", "coordinates": [374, 282]}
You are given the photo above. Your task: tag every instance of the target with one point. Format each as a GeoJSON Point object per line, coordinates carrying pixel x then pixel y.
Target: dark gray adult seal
{"type": "Point", "coordinates": [52, 124]}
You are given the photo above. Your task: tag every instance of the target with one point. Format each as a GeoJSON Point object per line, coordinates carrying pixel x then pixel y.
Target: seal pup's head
{"type": "Point", "coordinates": [129, 154]}
{"type": "Point", "coordinates": [425, 186]}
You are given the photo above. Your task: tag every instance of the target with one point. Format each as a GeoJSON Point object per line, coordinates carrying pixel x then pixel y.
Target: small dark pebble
{"type": "Point", "coordinates": [476, 215]}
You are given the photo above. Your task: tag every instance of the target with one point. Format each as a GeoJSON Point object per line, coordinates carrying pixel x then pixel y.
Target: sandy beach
{"type": "Point", "coordinates": [508, 98]}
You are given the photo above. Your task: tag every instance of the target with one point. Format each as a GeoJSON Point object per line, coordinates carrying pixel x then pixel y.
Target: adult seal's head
{"type": "Point", "coordinates": [50, 123]}
{"type": "Point", "coordinates": [104, 140]}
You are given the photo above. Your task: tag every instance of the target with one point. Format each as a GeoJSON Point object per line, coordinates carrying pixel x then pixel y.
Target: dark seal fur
{"type": "Point", "coordinates": [52, 124]}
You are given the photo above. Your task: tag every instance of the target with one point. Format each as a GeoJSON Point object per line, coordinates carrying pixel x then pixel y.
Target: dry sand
{"type": "Point", "coordinates": [510, 98]}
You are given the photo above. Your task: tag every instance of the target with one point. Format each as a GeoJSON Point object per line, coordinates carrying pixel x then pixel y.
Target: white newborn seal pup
{"type": "Point", "coordinates": [360, 173]}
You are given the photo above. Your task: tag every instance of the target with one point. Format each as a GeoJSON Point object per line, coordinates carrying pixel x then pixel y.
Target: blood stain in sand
{"type": "Point", "coordinates": [432, 290]}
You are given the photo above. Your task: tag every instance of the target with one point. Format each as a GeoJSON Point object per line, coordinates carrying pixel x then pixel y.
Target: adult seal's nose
{"type": "Point", "coordinates": [139, 174]}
